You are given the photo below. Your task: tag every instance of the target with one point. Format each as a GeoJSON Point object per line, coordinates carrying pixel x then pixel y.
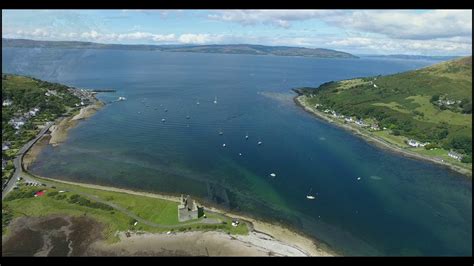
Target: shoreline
{"type": "Point", "coordinates": [297, 244]}
{"type": "Point", "coordinates": [278, 234]}
{"type": "Point", "coordinates": [59, 130]}
{"type": "Point", "coordinates": [379, 142]}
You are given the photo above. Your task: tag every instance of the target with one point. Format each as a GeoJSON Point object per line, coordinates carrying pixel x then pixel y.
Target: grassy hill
{"type": "Point", "coordinates": [21, 95]}
{"type": "Point", "coordinates": [221, 49]}
{"type": "Point", "coordinates": [432, 104]}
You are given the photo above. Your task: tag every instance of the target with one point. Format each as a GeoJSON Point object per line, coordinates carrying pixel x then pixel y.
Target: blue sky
{"type": "Point", "coordinates": [422, 32]}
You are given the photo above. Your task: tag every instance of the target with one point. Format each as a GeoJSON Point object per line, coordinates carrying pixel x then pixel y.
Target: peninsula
{"type": "Point", "coordinates": [425, 113]}
{"type": "Point", "coordinates": [249, 49]}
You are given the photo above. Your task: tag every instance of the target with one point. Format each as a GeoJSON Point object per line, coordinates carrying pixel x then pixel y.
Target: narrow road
{"type": "Point", "coordinates": [17, 162]}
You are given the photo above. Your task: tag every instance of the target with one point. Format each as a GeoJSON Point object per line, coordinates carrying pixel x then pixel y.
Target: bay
{"type": "Point", "coordinates": [400, 206]}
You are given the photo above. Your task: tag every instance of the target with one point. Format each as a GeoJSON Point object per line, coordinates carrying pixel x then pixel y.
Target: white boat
{"type": "Point", "coordinates": [358, 178]}
{"type": "Point", "coordinates": [247, 136]}
{"type": "Point", "coordinates": [215, 99]}
{"type": "Point", "coordinates": [223, 145]}
{"type": "Point", "coordinates": [221, 133]}
{"type": "Point", "coordinates": [309, 196]}
{"type": "Point", "coordinates": [121, 98]}
{"type": "Point", "coordinates": [259, 143]}
{"type": "Point", "coordinates": [163, 120]}
{"type": "Point", "coordinates": [240, 154]}
{"type": "Point", "coordinates": [272, 174]}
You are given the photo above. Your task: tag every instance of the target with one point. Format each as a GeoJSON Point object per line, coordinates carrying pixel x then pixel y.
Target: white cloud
{"type": "Point", "coordinates": [401, 24]}
{"type": "Point", "coordinates": [390, 46]}
{"type": "Point", "coordinates": [407, 24]}
{"type": "Point", "coordinates": [199, 38]}
{"type": "Point", "coordinates": [353, 42]}
{"type": "Point", "coordinates": [279, 18]}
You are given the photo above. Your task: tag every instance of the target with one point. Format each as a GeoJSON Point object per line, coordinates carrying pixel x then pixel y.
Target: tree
{"type": "Point", "coordinates": [434, 98]}
{"type": "Point", "coordinates": [466, 159]}
{"type": "Point", "coordinates": [467, 108]}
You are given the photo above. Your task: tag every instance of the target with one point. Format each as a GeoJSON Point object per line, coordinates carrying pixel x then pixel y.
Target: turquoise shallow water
{"type": "Point", "coordinates": [399, 206]}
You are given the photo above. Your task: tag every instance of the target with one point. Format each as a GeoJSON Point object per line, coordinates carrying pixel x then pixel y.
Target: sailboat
{"type": "Point", "coordinates": [215, 99]}
{"type": "Point", "coordinates": [309, 196]}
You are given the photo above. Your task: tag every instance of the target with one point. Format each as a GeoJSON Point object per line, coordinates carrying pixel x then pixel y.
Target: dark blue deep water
{"type": "Point", "coordinates": [399, 207]}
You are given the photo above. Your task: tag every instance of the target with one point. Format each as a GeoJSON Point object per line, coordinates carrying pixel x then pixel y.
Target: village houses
{"type": "Point", "coordinates": [455, 155]}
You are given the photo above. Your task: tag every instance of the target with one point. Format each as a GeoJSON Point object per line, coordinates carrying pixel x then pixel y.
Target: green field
{"type": "Point", "coordinates": [154, 210]}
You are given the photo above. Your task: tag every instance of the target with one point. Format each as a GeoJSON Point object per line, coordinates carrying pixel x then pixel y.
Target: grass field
{"type": "Point", "coordinates": [434, 115]}
{"type": "Point", "coordinates": [394, 106]}
{"type": "Point", "coordinates": [151, 209]}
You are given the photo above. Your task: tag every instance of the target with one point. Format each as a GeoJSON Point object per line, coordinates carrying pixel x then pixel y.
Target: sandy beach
{"type": "Point", "coordinates": [284, 241]}
{"type": "Point", "coordinates": [60, 129]}
{"type": "Point", "coordinates": [209, 243]}
{"type": "Point", "coordinates": [379, 142]}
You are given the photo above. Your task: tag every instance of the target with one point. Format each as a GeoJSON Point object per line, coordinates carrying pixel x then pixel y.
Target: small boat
{"type": "Point", "coordinates": [223, 145]}
{"type": "Point", "coordinates": [358, 178]}
{"type": "Point", "coordinates": [215, 99]}
{"type": "Point", "coordinates": [259, 143]}
{"type": "Point", "coordinates": [240, 154]}
{"type": "Point", "coordinates": [247, 136]}
{"type": "Point", "coordinates": [163, 120]}
{"type": "Point", "coordinates": [121, 98]}
{"type": "Point", "coordinates": [187, 117]}
{"type": "Point", "coordinates": [197, 102]}
{"type": "Point", "coordinates": [309, 196]}
{"type": "Point", "coordinates": [272, 174]}
{"type": "Point", "coordinates": [221, 133]}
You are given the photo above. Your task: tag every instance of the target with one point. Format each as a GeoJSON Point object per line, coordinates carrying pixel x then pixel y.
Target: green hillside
{"type": "Point", "coordinates": [250, 49]}
{"type": "Point", "coordinates": [432, 104]}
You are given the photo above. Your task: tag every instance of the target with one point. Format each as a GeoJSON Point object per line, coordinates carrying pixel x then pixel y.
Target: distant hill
{"type": "Point", "coordinates": [222, 49]}
{"type": "Point", "coordinates": [432, 104]}
{"type": "Point", "coordinates": [414, 57]}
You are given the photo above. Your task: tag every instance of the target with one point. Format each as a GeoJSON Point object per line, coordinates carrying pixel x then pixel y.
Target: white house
{"type": "Point", "coordinates": [5, 147]}
{"type": "Point", "coordinates": [413, 143]}
{"type": "Point", "coordinates": [32, 112]}
{"type": "Point", "coordinates": [423, 144]}
{"type": "Point", "coordinates": [360, 123]}
{"type": "Point", "coordinates": [375, 86]}
{"type": "Point", "coordinates": [455, 155]}
{"type": "Point", "coordinates": [348, 119]}
{"type": "Point", "coordinates": [17, 123]}
{"type": "Point", "coordinates": [375, 127]}
{"type": "Point", "coordinates": [7, 102]}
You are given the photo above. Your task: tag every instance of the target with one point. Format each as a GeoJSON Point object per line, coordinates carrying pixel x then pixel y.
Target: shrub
{"type": "Point", "coordinates": [466, 159]}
